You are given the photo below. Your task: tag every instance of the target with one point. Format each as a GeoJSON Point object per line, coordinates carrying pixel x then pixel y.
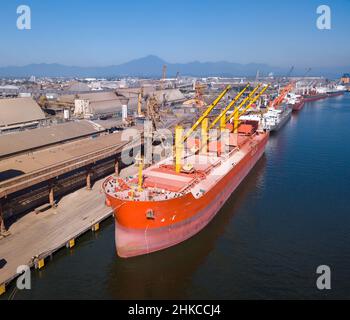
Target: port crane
{"type": "Point", "coordinates": [180, 137]}
{"type": "Point", "coordinates": [290, 72]}
{"type": "Point", "coordinates": [279, 99]}
{"type": "Point", "coordinates": [199, 88]}
{"type": "Point", "coordinates": [285, 90]}
{"type": "Point", "coordinates": [153, 110]}
{"type": "Point", "coordinates": [222, 116]}
{"type": "Point", "coordinates": [139, 102]}
{"type": "Point", "coordinates": [238, 112]}
{"type": "Point", "coordinates": [162, 82]}
{"type": "Point", "coordinates": [206, 113]}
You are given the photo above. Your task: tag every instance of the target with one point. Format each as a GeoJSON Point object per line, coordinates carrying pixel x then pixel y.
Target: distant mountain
{"type": "Point", "coordinates": [151, 66]}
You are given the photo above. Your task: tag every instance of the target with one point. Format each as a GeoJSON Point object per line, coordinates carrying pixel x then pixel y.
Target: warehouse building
{"type": "Point", "coordinates": [19, 113]}
{"type": "Point", "coordinates": [345, 78]}
{"type": "Point", "coordinates": [96, 105]}
{"type": "Point", "coordinates": [30, 140]}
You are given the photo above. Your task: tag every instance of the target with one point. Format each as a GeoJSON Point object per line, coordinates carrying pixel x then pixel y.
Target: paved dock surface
{"type": "Point", "coordinates": [40, 235]}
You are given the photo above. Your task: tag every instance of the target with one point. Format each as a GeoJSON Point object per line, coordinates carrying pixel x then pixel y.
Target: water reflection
{"type": "Point", "coordinates": [169, 273]}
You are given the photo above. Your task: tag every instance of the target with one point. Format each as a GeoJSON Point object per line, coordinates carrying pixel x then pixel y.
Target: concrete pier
{"type": "Point", "coordinates": [37, 236]}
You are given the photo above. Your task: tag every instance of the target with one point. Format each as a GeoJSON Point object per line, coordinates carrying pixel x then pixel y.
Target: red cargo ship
{"type": "Point", "coordinates": [295, 102]}
{"type": "Point", "coordinates": [315, 97]}
{"type": "Point", "coordinates": [298, 105]}
{"type": "Point", "coordinates": [171, 207]}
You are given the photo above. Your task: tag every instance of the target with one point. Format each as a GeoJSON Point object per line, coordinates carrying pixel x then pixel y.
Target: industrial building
{"type": "Point", "coordinates": [9, 91]}
{"type": "Point", "coordinates": [19, 113]}
{"type": "Point", "coordinates": [345, 78]}
{"type": "Point", "coordinates": [37, 178]}
{"type": "Point", "coordinates": [30, 140]}
{"type": "Point", "coordinates": [169, 96]}
{"type": "Point", "coordinates": [95, 105]}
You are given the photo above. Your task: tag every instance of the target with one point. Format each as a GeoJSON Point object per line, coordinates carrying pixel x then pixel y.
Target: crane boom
{"type": "Point", "coordinates": [245, 101]}
{"type": "Point", "coordinates": [249, 105]}
{"type": "Point", "coordinates": [278, 100]}
{"type": "Point", "coordinates": [206, 113]}
{"type": "Point", "coordinates": [231, 104]}
{"type": "Point", "coordinates": [290, 72]}
{"type": "Point", "coordinates": [254, 100]}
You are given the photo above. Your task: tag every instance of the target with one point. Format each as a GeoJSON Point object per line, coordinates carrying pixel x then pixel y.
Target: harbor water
{"type": "Point", "coordinates": [289, 216]}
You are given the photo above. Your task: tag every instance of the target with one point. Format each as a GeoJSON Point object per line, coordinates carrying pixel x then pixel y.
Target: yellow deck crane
{"type": "Point", "coordinates": [206, 113]}
{"type": "Point", "coordinates": [237, 113]}
{"type": "Point", "coordinates": [180, 138]}
{"type": "Point", "coordinates": [222, 116]}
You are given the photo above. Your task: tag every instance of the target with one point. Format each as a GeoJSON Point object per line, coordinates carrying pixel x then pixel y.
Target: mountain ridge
{"type": "Point", "coordinates": [151, 66]}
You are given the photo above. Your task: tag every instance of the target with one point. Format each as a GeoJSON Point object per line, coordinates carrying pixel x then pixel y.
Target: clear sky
{"type": "Point", "coordinates": [104, 32]}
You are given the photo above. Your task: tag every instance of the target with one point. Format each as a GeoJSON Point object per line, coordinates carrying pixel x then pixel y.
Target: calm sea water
{"type": "Point", "coordinates": [290, 215]}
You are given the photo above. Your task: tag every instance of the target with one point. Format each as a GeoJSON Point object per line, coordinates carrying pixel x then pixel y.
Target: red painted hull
{"type": "Point", "coordinates": [322, 96]}
{"type": "Point", "coordinates": [177, 219]}
{"type": "Point", "coordinates": [335, 94]}
{"type": "Point", "coordinates": [298, 106]}
{"type": "Point", "coordinates": [315, 97]}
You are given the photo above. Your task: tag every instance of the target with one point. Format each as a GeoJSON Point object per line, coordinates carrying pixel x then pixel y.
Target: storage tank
{"type": "Point", "coordinates": [66, 114]}
{"type": "Point", "coordinates": [24, 95]}
{"type": "Point", "coordinates": [124, 112]}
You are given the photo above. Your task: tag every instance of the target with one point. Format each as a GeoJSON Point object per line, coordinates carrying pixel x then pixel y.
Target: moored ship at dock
{"type": "Point", "coordinates": [320, 93]}
{"type": "Point", "coordinates": [173, 207]}
{"type": "Point", "coordinates": [338, 90]}
{"type": "Point", "coordinates": [173, 200]}
{"type": "Point", "coordinates": [295, 101]}
{"type": "Point", "coordinates": [275, 118]}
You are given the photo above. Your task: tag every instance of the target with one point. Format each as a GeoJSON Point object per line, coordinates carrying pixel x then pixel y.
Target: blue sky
{"type": "Point", "coordinates": [105, 32]}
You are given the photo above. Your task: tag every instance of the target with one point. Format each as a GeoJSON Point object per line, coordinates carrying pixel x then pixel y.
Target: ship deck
{"type": "Point", "coordinates": [161, 182]}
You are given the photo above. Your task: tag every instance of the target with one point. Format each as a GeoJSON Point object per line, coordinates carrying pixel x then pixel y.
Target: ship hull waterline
{"type": "Point", "coordinates": [298, 106]}
{"type": "Point", "coordinates": [286, 117]}
{"type": "Point", "coordinates": [131, 242]}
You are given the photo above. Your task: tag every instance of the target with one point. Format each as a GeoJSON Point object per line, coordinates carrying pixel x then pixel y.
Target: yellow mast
{"type": "Point", "coordinates": [236, 114]}
{"type": "Point", "coordinates": [139, 104]}
{"type": "Point", "coordinates": [139, 161]}
{"type": "Point", "coordinates": [247, 99]}
{"type": "Point", "coordinates": [204, 135]}
{"type": "Point", "coordinates": [179, 146]}
{"type": "Point", "coordinates": [243, 102]}
{"type": "Point", "coordinates": [206, 113]}
{"type": "Point", "coordinates": [180, 138]}
{"type": "Point", "coordinates": [231, 104]}
{"type": "Point", "coordinates": [254, 100]}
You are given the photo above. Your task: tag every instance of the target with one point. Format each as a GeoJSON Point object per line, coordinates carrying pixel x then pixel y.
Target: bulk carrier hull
{"type": "Point", "coordinates": [282, 122]}
{"type": "Point", "coordinates": [335, 94]}
{"type": "Point", "coordinates": [178, 219]}
{"type": "Point", "coordinates": [316, 97]}
{"type": "Point", "coordinates": [311, 98]}
{"type": "Point", "coordinates": [297, 106]}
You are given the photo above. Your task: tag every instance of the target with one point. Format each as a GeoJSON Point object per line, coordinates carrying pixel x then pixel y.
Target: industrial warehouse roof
{"type": "Point", "coordinates": [105, 107]}
{"type": "Point", "coordinates": [100, 103]}
{"type": "Point", "coordinates": [19, 110]}
{"type": "Point", "coordinates": [79, 86]}
{"type": "Point", "coordinates": [170, 95]}
{"type": "Point", "coordinates": [29, 140]}
{"type": "Point", "coordinates": [96, 96]}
